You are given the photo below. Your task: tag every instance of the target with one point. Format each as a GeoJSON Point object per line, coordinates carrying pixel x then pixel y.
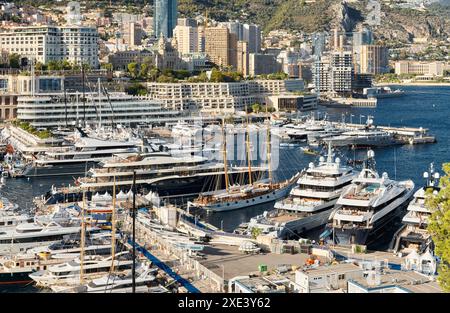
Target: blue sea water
{"type": "Point", "coordinates": [427, 107]}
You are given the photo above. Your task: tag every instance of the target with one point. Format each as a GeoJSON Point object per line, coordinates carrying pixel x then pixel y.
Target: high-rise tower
{"type": "Point", "coordinates": [164, 17]}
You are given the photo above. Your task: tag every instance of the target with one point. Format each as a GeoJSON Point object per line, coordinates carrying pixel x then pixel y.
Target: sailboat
{"type": "Point", "coordinates": [243, 196]}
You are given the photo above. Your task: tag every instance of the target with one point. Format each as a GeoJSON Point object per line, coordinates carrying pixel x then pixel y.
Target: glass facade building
{"type": "Point", "coordinates": [164, 17]}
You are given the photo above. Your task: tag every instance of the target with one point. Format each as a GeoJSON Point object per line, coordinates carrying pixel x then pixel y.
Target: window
{"type": "Point", "coordinates": [341, 276]}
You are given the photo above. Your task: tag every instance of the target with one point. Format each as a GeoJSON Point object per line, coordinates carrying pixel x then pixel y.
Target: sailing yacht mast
{"type": "Point", "coordinates": [269, 148]}
{"type": "Point", "coordinates": [99, 103]}
{"type": "Point", "coordinates": [250, 180]}
{"type": "Point", "coordinates": [113, 226]}
{"type": "Point", "coordinates": [225, 153]}
{"type": "Point", "coordinates": [83, 237]}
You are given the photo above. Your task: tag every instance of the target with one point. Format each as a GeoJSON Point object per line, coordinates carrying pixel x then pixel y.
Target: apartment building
{"type": "Point", "coordinates": [260, 64]}
{"type": "Point", "coordinates": [221, 46]}
{"type": "Point", "coordinates": [187, 39]}
{"type": "Point", "coordinates": [341, 73]}
{"type": "Point", "coordinates": [420, 68]}
{"type": "Point", "coordinates": [220, 97]}
{"type": "Point", "coordinates": [74, 43]}
{"type": "Point", "coordinates": [374, 59]}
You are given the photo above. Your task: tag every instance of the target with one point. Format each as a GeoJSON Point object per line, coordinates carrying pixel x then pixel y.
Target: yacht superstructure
{"type": "Point", "coordinates": [77, 158]}
{"type": "Point", "coordinates": [67, 275]}
{"type": "Point", "coordinates": [368, 207]}
{"type": "Point", "coordinates": [310, 202]}
{"type": "Point", "coordinates": [369, 136]}
{"type": "Point", "coordinates": [413, 236]}
{"type": "Point", "coordinates": [29, 235]}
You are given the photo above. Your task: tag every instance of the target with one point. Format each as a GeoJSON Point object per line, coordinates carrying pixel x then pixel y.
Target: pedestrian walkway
{"type": "Point", "coordinates": [185, 283]}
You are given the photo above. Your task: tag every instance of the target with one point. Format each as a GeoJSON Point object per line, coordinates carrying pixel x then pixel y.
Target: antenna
{"type": "Point", "coordinates": [395, 163]}
{"type": "Point", "coordinates": [65, 104]}
{"type": "Point", "coordinates": [330, 151]}
{"type": "Point", "coordinates": [134, 235]}
{"type": "Point", "coordinates": [84, 97]}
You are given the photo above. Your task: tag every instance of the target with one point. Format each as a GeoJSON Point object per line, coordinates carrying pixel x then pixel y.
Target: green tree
{"type": "Point", "coordinates": [256, 232]}
{"type": "Point", "coordinates": [202, 77]}
{"type": "Point", "coordinates": [256, 107]}
{"type": "Point", "coordinates": [136, 90]}
{"type": "Point", "coordinates": [40, 67]}
{"type": "Point", "coordinates": [166, 79]}
{"type": "Point", "coordinates": [14, 60]}
{"type": "Point", "coordinates": [143, 72]}
{"type": "Point", "coordinates": [439, 227]}
{"type": "Point", "coordinates": [107, 66]}
{"type": "Point", "coordinates": [53, 65]}
{"type": "Point", "coordinates": [133, 68]}
{"type": "Point", "coordinates": [153, 74]}
{"type": "Point", "coordinates": [216, 76]}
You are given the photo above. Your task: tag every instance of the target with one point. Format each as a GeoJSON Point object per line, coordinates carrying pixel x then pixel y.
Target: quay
{"type": "Point", "coordinates": [350, 102]}
{"type": "Point", "coordinates": [405, 135]}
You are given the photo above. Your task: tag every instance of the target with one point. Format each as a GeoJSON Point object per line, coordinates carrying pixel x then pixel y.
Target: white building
{"type": "Point", "coordinates": [250, 33]}
{"type": "Point", "coordinates": [187, 39]}
{"type": "Point", "coordinates": [50, 110]}
{"type": "Point", "coordinates": [220, 97]}
{"type": "Point", "coordinates": [77, 44]}
{"type": "Point", "coordinates": [268, 284]}
{"type": "Point", "coordinates": [326, 278]}
{"type": "Point", "coordinates": [393, 281]}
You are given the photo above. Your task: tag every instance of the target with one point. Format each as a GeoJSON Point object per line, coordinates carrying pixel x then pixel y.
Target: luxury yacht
{"type": "Point", "coordinates": [76, 159]}
{"type": "Point", "coordinates": [164, 173]}
{"type": "Point", "coordinates": [369, 136]}
{"type": "Point", "coordinates": [67, 275]}
{"type": "Point", "coordinates": [96, 244]}
{"type": "Point", "coordinates": [111, 283]}
{"type": "Point", "coordinates": [413, 236]}
{"type": "Point", "coordinates": [239, 197]}
{"type": "Point", "coordinates": [29, 235]}
{"type": "Point", "coordinates": [369, 207]}
{"type": "Point", "coordinates": [6, 205]}
{"type": "Point", "coordinates": [9, 219]}
{"type": "Point", "coordinates": [310, 202]}
{"type": "Point", "coordinates": [16, 269]}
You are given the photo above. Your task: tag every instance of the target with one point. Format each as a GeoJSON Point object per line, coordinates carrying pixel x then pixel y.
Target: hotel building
{"type": "Point", "coordinates": [74, 43]}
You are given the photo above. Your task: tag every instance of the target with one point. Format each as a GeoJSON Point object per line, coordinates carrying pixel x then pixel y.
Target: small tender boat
{"type": "Point", "coordinates": [307, 150]}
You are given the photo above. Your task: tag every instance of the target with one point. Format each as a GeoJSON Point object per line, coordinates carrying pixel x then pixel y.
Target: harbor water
{"type": "Point", "coordinates": [427, 107]}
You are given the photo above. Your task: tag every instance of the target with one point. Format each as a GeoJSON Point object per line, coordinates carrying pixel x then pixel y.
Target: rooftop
{"type": "Point", "coordinates": [331, 269]}
{"type": "Point", "coordinates": [236, 263]}
{"type": "Point", "coordinates": [412, 281]}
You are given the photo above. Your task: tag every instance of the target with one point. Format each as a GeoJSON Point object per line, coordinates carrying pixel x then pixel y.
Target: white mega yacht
{"type": "Point", "coordinates": [109, 283]}
{"type": "Point", "coordinates": [77, 158]}
{"type": "Point", "coordinates": [310, 202]}
{"type": "Point", "coordinates": [369, 207]}
{"type": "Point", "coordinates": [67, 275]}
{"type": "Point", "coordinates": [413, 236]}
{"type": "Point", "coordinates": [29, 235]}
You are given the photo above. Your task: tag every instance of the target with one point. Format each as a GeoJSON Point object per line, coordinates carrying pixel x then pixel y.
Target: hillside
{"type": "Point", "coordinates": [399, 24]}
{"type": "Point", "coordinates": [396, 24]}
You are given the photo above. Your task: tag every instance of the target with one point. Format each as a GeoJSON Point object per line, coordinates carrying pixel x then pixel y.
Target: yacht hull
{"type": "Point", "coordinates": [14, 279]}
{"type": "Point", "coordinates": [361, 142]}
{"type": "Point", "coordinates": [376, 233]}
{"type": "Point", "coordinates": [301, 225]}
{"type": "Point", "coordinates": [171, 187]}
{"type": "Point", "coordinates": [245, 203]}
{"type": "Point", "coordinates": [75, 169]}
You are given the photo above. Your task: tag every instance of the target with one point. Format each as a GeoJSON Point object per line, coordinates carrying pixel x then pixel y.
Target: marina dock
{"type": "Point", "coordinates": [404, 135]}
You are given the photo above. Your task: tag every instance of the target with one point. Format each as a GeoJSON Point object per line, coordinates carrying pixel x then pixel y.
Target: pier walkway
{"type": "Point", "coordinates": [160, 264]}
